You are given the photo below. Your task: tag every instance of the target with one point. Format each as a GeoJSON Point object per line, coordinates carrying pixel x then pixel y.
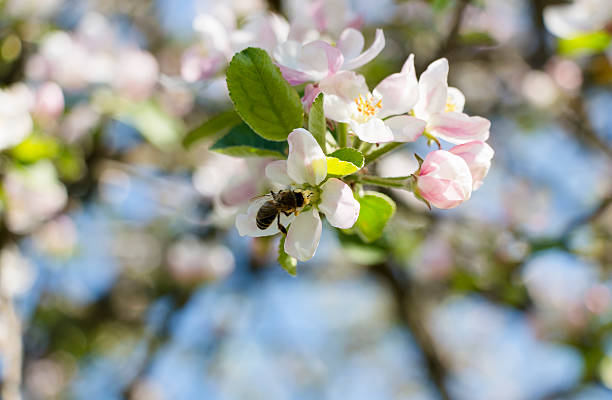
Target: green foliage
{"type": "Point", "coordinates": [376, 210]}
{"type": "Point", "coordinates": [262, 97]}
{"type": "Point", "coordinates": [344, 161]}
{"type": "Point", "coordinates": [316, 122]}
{"type": "Point", "coordinates": [218, 123]}
{"type": "Point", "coordinates": [35, 147]}
{"type": "Point", "coordinates": [587, 43]}
{"type": "Point", "coordinates": [288, 263]}
{"type": "Point", "coordinates": [152, 122]}
{"type": "Point", "coordinates": [241, 141]}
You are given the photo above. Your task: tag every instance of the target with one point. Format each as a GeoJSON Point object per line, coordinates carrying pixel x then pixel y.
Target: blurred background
{"type": "Point", "coordinates": [122, 275]}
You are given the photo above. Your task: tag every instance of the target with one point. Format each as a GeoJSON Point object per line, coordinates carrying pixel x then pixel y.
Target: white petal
{"type": "Point", "coordinates": [338, 204]}
{"type": "Point", "coordinates": [405, 128]}
{"type": "Point", "coordinates": [432, 89]}
{"type": "Point", "coordinates": [456, 98]}
{"type": "Point", "coordinates": [276, 171]}
{"type": "Point", "coordinates": [369, 54]}
{"type": "Point", "coordinates": [399, 93]}
{"type": "Point", "coordinates": [247, 225]}
{"type": "Point", "coordinates": [350, 43]}
{"type": "Point", "coordinates": [306, 162]}
{"type": "Point", "coordinates": [373, 131]}
{"type": "Point", "coordinates": [304, 235]}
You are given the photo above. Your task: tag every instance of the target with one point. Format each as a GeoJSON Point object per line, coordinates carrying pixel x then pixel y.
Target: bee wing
{"type": "Point", "coordinates": [267, 195]}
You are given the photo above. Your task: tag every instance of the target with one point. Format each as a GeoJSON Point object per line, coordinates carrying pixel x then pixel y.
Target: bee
{"type": "Point", "coordinates": [284, 201]}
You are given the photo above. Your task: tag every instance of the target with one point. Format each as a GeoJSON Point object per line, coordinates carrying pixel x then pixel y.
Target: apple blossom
{"type": "Point", "coordinates": [305, 168]}
{"type": "Point", "coordinates": [316, 60]}
{"type": "Point", "coordinates": [348, 99]}
{"type": "Point", "coordinates": [441, 107]}
{"type": "Point", "coordinates": [444, 179]}
{"type": "Point", "coordinates": [478, 157]}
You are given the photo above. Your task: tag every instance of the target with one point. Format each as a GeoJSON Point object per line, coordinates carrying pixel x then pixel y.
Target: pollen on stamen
{"type": "Point", "coordinates": [367, 106]}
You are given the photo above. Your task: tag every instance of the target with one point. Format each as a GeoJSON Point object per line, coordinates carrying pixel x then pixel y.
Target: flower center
{"type": "Point", "coordinates": [450, 106]}
{"type": "Point", "coordinates": [367, 107]}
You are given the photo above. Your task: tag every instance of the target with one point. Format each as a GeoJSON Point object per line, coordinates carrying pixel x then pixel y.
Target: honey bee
{"type": "Point", "coordinates": [284, 201]}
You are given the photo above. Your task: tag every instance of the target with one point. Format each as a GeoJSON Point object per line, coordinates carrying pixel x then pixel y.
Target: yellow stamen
{"type": "Point", "coordinates": [367, 106]}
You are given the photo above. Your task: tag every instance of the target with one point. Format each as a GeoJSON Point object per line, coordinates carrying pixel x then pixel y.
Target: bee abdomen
{"type": "Point", "coordinates": [266, 215]}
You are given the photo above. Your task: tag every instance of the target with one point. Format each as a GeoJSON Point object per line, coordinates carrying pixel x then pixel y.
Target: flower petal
{"type": "Point", "coordinates": [306, 162]}
{"type": "Point", "coordinates": [478, 157]}
{"type": "Point", "coordinates": [399, 93]}
{"type": "Point", "coordinates": [304, 235]}
{"type": "Point", "coordinates": [459, 128]}
{"type": "Point", "coordinates": [310, 94]}
{"type": "Point", "coordinates": [405, 128]}
{"type": "Point", "coordinates": [444, 180]}
{"type": "Point", "coordinates": [373, 131]}
{"type": "Point", "coordinates": [310, 62]}
{"type": "Point", "coordinates": [369, 54]}
{"type": "Point", "coordinates": [340, 92]}
{"type": "Point", "coordinates": [432, 89]}
{"type": "Point", "coordinates": [338, 204]}
{"type": "Point", "coordinates": [350, 43]}
{"type": "Point", "coordinates": [276, 171]}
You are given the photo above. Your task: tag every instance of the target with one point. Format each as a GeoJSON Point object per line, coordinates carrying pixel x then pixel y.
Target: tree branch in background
{"type": "Point", "coordinates": [411, 316]}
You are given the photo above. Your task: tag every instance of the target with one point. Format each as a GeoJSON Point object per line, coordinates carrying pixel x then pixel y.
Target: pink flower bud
{"type": "Point", "coordinates": [478, 157]}
{"type": "Point", "coordinates": [444, 180]}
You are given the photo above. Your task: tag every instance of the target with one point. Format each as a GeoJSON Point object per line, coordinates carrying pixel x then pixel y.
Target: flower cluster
{"type": "Point", "coordinates": [355, 126]}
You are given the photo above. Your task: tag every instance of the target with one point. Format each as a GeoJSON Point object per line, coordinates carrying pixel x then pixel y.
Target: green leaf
{"type": "Point", "coordinates": [241, 141]}
{"type": "Point", "coordinates": [212, 126]}
{"type": "Point", "coordinates": [288, 263]}
{"type": "Point", "coordinates": [262, 97]}
{"type": "Point", "coordinates": [376, 210]}
{"type": "Point", "coordinates": [316, 122]}
{"type": "Point", "coordinates": [344, 161]}
{"type": "Point", "coordinates": [586, 43]}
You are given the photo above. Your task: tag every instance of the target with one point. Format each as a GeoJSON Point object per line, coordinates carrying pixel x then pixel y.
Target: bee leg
{"type": "Point", "coordinates": [280, 226]}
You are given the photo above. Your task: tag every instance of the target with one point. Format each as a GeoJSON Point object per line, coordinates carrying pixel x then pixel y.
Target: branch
{"type": "Point", "coordinates": [411, 316]}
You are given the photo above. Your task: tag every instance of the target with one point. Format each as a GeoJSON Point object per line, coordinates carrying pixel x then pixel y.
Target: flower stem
{"type": "Point", "coordinates": [382, 150]}
{"type": "Point", "coordinates": [342, 131]}
{"type": "Point", "coordinates": [357, 143]}
{"type": "Point", "coordinates": [400, 182]}
{"type": "Point", "coordinates": [365, 147]}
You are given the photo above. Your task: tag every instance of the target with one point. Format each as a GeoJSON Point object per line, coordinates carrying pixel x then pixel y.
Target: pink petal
{"type": "Point", "coordinates": [369, 54]}
{"type": "Point", "coordinates": [405, 128]}
{"type": "Point", "coordinates": [304, 235]}
{"type": "Point", "coordinates": [338, 204]}
{"type": "Point", "coordinates": [306, 162]}
{"type": "Point", "coordinates": [459, 128]}
{"type": "Point", "coordinates": [444, 179]}
{"type": "Point", "coordinates": [310, 94]}
{"type": "Point", "coordinates": [478, 157]}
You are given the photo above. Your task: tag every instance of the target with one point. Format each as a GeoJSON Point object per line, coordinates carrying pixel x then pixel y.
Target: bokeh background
{"type": "Point", "coordinates": [122, 276]}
